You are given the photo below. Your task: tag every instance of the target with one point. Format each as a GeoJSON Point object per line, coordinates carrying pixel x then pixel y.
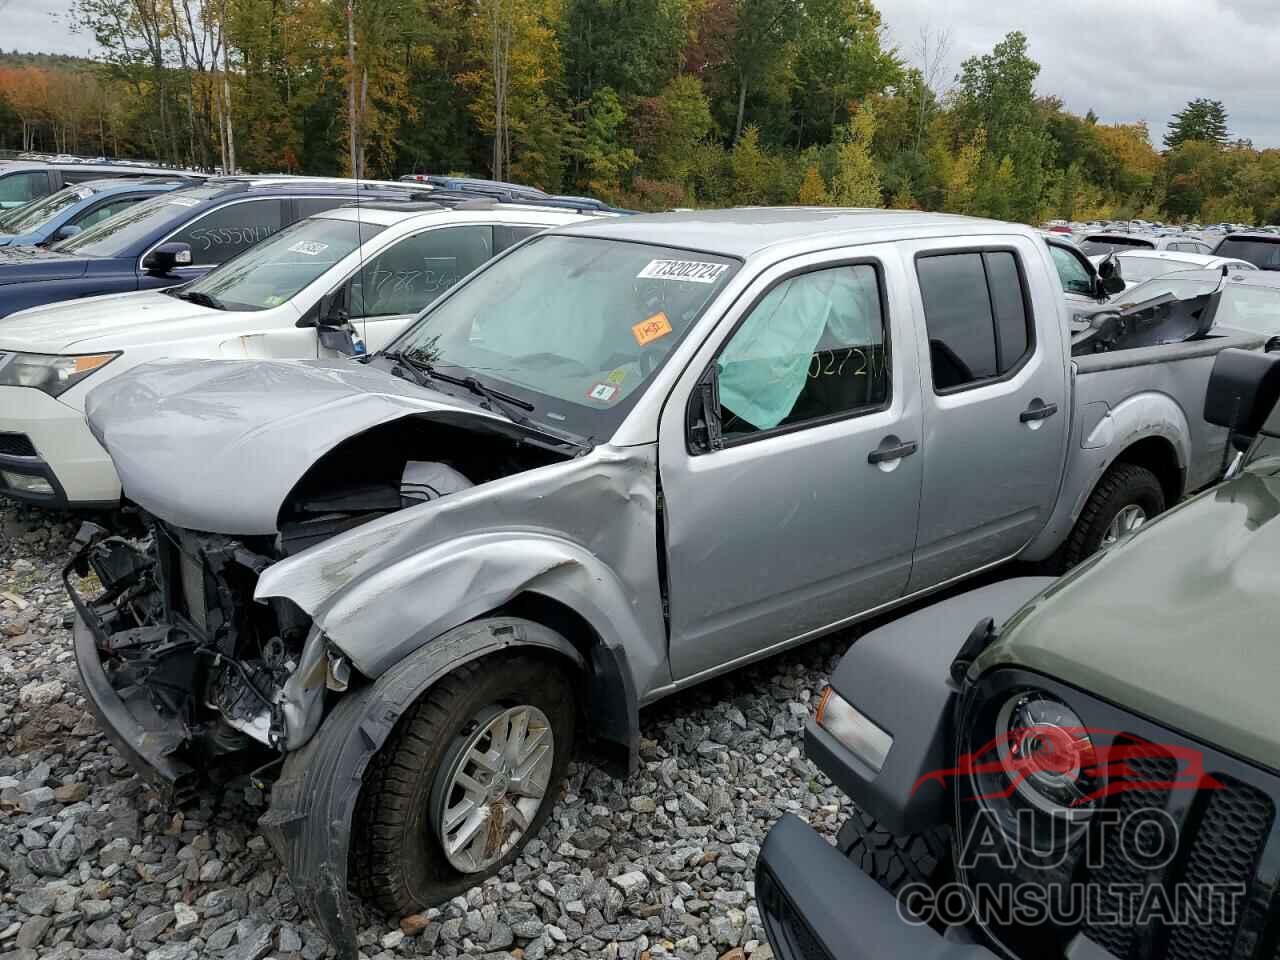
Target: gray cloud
{"type": "Point", "coordinates": [1141, 60]}
{"type": "Point", "coordinates": [41, 26]}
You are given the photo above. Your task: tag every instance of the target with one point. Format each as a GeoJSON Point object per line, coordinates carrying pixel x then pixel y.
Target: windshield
{"type": "Point", "coordinates": [116, 236]}
{"type": "Point", "coordinates": [274, 270]}
{"type": "Point", "coordinates": [576, 324]}
{"type": "Point", "coordinates": [1263, 254]}
{"type": "Point", "coordinates": [1096, 246]}
{"type": "Point", "coordinates": [26, 218]}
{"type": "Point", "coordinates": [1248, 307]}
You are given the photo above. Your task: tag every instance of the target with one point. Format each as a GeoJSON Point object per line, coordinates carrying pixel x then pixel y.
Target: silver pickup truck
{"type": "Point", "coordinates": [619, 459]}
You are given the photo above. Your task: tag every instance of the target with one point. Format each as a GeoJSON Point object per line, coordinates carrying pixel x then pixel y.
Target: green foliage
{"type": "Point", "coordinates": [649, 103]}
{"type": "Point", "coordinates": [1201, 119]}
{"type": "Point", "coordinates": [857, 182]}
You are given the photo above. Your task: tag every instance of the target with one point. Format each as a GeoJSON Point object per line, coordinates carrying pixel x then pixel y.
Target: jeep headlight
{"type": "Point", "coordinates": [48, 372]}
{"type": "Point", "coordinates": [1042, 761]}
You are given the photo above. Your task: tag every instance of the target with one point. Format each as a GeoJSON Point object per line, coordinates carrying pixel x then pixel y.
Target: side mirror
{"type": "Point", "coordinates": [1243, 388]}
{"type": "Point", "coordinates": [70, 230]}
{"type": "Point", "coordinates": [1111, 276]}
{"type": "Point", "coordinates": [703, 416]}
{"type": "Point", "coordinates": [165, 257]}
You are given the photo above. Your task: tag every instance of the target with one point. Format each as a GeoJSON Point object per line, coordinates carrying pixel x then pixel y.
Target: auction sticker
{"type": "Point", "coordinates": [686, 271]}
{"type": "Point", "coordinates": [603, 392]}
{"type": "Point", "coordinates": [311, 248]}
{"type": "Point", "coordinates": [647, 331]}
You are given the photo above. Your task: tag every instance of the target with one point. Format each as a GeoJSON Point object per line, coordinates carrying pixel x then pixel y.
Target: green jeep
{"type": "Point", "coordinates": [1090, 772]}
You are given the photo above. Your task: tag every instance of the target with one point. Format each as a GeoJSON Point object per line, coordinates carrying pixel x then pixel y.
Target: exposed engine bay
{"type": "Point", "coordinates": [219, 680]}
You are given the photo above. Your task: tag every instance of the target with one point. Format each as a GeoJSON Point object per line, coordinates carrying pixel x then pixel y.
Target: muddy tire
{"type": "Point", "coordinates": [466, 779]}
{"type": "Point", "coordinates": [893, 861]}
{"type": "Point", "coordinates": [1126, 494]}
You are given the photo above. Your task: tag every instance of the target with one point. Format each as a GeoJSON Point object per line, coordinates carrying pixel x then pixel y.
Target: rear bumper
{"type": "Point", "coordinates": [816, 905]}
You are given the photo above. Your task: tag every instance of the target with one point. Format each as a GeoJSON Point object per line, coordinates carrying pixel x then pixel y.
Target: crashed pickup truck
{"type": "Point", "coordinates": [619, 459]}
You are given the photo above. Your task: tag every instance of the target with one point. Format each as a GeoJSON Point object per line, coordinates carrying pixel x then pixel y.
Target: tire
{"type": "Point", "coordinates": [893, 861]}
{"type": "Point", "coordinates": [1124, 486]}
{"type": "Point", "coordinates": [399, 861]}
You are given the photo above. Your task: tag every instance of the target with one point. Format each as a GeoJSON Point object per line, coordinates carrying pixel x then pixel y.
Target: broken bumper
{"type": "Point", "coordinates": [817, 905]}
{"type": "Point", "coordinates": [135, 728]}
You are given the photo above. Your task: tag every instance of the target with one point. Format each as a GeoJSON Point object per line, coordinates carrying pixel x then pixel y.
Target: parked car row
{"type": "Point", "coordinates": [430, 489]}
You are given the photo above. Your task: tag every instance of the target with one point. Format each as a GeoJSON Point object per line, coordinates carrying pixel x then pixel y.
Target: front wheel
{"type": "Point", "coordinates": [467, 778]}
{"type": "Point", "coordinates": [895, 861]}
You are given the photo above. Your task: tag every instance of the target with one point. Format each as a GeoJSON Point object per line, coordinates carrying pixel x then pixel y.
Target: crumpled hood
{"type": "Point", "coordinates": [1177, 624]}
{"type": "Point", "coordinates": [217, 445]}
{"type": "Point", "coordinates": [58, 326]}
{"type": "Point", "coordinates": [20, 264]}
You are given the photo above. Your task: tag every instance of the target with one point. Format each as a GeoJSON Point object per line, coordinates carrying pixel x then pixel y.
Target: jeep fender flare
{"type": "Point", "coordinates": [899, 677]}
{"type": "Point", "coordinates": [312, 803]}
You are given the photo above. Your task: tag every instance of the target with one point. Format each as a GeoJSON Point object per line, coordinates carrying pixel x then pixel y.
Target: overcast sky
{"type": "Point", "coordinates": [1126, 59]}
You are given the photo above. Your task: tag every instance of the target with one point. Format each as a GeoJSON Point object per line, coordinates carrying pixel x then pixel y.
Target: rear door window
{"type": "Point", "coordinates": [976, 314]}
{"type": "Point", "coordinates": [19, 188]}
{"type": "Point", "coordinates": [408, 276]}
{"type": "Point", "coordinates": [508, 235]}
{"type": "Point", "coordinates": [104, 210]}
{"type": "Point", "coordinates": [220, 235]}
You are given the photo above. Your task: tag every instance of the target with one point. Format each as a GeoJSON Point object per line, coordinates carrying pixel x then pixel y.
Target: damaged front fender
{"type": "Point", "coordinates": [312, 803]}
{"type": "Point", "coordinates": [581, 533]}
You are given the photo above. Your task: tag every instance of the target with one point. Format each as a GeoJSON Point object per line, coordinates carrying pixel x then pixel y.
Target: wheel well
{"type": "Point", "coordinates": [608, 705]}
{"type": "Point", "coordinates": [1158, 456]}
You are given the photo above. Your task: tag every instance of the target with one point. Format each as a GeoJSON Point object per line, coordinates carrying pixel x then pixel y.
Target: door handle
{"type": "Point", "coordinates": [896, 451]}
{"type": "Point", "coordinates": [1042, 412]}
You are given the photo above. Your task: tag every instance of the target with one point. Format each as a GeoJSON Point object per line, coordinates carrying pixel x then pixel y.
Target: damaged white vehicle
{"type": "Point", "coordinates": [621, 458]}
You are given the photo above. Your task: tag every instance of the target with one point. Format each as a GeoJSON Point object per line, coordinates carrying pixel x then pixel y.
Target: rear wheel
{"type": "Point", "coordinates": [1125, 499]}
{"type": "Point", "coordinates": [468, 777]}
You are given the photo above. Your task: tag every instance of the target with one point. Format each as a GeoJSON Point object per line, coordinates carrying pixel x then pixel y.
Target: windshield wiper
{"type": "Point", "coordinates": [202, 299]}
{"type": "Point", "coordinates": [504, 402]}
{"type": "Point", "coordinates": [417, 373]}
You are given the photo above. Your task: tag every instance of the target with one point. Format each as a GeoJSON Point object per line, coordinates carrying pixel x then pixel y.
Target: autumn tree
{"type": "Point", "coordinates": [857, 182]}
{"type": "Point", "coordinates": [1201, 119]}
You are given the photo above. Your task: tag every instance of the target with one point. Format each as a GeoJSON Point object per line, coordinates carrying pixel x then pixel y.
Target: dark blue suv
{"type": "Point", "coordinates": [171, 238]}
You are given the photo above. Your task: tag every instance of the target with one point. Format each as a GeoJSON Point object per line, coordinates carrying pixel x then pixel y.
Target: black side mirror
{"type": "Point", "coordinates": [165, 257]}
{"type": "Point", "coordinates": [1110, 275]}
{"type": "Point", "coordinates": [1243, 388]}
{"type": "Point", "coordinates": [704, 414]}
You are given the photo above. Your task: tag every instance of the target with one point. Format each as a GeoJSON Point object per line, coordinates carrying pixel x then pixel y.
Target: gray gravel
{"type": "Point", "coordinates": [93, 866]}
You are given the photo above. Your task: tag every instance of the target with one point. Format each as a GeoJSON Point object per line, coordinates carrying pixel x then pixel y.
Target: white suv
{"type": "Point", "coordinates": [311, 290]}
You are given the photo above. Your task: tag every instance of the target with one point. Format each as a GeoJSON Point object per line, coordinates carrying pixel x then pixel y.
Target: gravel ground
{"type": "Point", "coordinates": [93, 866]}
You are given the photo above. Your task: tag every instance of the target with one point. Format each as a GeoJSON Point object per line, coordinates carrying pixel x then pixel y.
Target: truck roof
{"type": "Point", "coordinates": [731, 232]}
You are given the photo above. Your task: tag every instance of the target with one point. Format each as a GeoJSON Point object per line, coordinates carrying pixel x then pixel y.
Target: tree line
{"type": "Point", "coordinates": [648, 103]}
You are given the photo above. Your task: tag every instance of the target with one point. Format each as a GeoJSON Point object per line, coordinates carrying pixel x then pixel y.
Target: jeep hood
{"type": "Point", "coordinates": [20, 264]}
{"type": "Point", "coordinates": [217, 445]}
{"type": "Point", "coordinates": [1177, 624]}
